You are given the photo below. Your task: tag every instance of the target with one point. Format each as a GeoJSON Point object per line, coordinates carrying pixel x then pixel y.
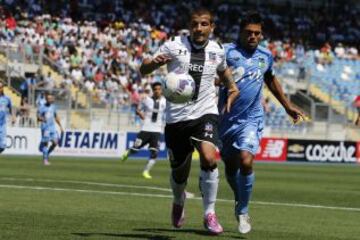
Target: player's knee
{"type": "Point", "coordinates": [180, 166]}
{"type": "Point", "coordinates": [179, 177]}
{"type": "Point", "coordinates": [246, 162]}
{"type": "Point", "coordinates": [42, 145]}
{"type": "Point", "coordinates": [208, 160]}
{"type": "Point", "coordinates": [153, 154]}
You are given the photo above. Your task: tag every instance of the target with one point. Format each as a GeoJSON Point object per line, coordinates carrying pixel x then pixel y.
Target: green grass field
{"type": "Point", "coordinates": [103, 199]}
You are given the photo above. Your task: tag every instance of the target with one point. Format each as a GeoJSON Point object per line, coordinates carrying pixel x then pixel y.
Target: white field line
{"type": "Point", "coordinates": [169, 196]}
{"type": "Point", "coordinates": [188, 194]}
{"type": "Point", "coordinates": [88, 183]}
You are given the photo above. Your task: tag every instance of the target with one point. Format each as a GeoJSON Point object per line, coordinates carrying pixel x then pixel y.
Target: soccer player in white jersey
{"type": "Point", "coordinates": [194, 124]}
{"type": "Point", "coordinates": [5, 110]}
{"type": "Point", "coordinates": [151, 110]}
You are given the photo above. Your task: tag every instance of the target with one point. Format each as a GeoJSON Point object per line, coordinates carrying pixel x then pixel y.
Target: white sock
{"type": "Point", "coordinates": [209, 182]}
{"type": "Point", "coordinates": [149, 164]}
{"type": "Point", "coordinates": [178, 191]}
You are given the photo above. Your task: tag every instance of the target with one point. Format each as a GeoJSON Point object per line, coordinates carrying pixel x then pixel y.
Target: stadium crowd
{"type": "Point", "coordinates": [103, 56]}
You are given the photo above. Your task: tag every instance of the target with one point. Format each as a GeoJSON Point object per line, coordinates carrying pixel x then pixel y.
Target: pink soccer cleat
{"type": "Point", "coordinates": [46, 162]}
{"type": "Point", "coordinates": [212, 225]}
{"type": "Point", "coordinates": [177, 215]}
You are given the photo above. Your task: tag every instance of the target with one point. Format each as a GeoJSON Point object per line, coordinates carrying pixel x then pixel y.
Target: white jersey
{"type": "Point", "coordinates": [154, 113]}
{"type": "Point", "coordinates": [202, 64]}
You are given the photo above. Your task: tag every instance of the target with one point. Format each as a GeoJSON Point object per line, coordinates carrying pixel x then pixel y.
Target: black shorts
{"type": "Point", "coordinates": [180, 136]}
{"type": "Point", "coordinates": [143, 138]}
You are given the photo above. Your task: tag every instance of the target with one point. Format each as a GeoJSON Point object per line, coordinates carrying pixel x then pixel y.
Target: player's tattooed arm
{"type": "Point", "coordinates": [151, 64]}
{"type": "Point", "coordinates": [233, 91]}
{"type": "Point", "coordinates": [275, 87]}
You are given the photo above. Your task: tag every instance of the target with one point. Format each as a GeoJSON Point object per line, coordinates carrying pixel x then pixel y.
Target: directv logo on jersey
{"type": "Point", "coordinates": [196, 67]}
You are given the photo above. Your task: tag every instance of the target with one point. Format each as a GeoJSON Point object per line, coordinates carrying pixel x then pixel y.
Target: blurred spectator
{"type": "Point", "coordinates": [267, 106]}
{"type": "Point", "coordinates": [23, 114]}
{"type": "Point", "coordinates": [27, 86]}
{"type": "Point", "coordinates": [357, 105]}
{"type": "Point", "coordinates": [40, 99]}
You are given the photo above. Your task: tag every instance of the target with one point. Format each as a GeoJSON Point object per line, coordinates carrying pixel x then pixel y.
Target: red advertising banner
{"type": "Point", "coordinates": [272, 149]}
{"type": "Point", "coordinates": [358, 152]}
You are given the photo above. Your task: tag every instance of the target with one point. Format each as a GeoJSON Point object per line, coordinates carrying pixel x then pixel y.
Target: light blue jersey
{"type": "Point", "coordinates": [241, 129]}
{"type": "Point", "coordinates": [48, 127]}
{"type": "Point", "coordinates": [5, 109]}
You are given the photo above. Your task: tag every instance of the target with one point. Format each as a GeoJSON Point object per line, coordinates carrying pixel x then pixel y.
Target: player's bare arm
{"type": "Point", "coordinates": [228, 81]}
{"type": "Point", "coordinates": [151, 64]}
{"type": "Point", "coordinates": [57, 119]}
{"type": "Point", "coordinates": [276, 89]}
{"type": "Point", "coordinates": [13, 117]}
{"type": "Point", "coordinates": [140, 114]}
{"type": "Point", "coordinates": [40, 118]}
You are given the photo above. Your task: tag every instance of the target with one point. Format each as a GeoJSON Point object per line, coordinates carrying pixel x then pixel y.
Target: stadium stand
{"type": "Point", "coordinates": [97, 61]}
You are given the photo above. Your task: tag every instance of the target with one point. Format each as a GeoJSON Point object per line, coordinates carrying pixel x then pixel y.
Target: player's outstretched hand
{"type": "Point", "coordinates": [296, 115]}
{"type": "Point", "coordinates": [233, 94]}
{"type": "Point", "coordinates": [162, 59]}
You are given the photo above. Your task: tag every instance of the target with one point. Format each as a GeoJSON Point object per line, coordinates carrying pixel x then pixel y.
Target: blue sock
{"type": "Point", "coordinates": [45, 151]}
{"type": "Point", "coordinates": [245, 186]}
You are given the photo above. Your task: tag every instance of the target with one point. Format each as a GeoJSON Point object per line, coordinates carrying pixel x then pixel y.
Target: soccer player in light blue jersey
{"type": "Point", "coordinates": [241, 128]}
{"type": "Point", "coordinates": [47, 115]}
{"type": "Point", "coordinates": [5, 110]}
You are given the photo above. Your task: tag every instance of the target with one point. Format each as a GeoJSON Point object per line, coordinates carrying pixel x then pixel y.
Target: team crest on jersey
{"type": "Point", "coordinates": [208, 127]}
{"type": "Point", "coordinates": [212, 56]}
{"type": "Point", "coordinates": [262, 63]}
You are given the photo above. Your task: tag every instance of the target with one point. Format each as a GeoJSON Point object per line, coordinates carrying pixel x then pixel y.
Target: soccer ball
{"type": "Point", "coordinates": [178, 87]}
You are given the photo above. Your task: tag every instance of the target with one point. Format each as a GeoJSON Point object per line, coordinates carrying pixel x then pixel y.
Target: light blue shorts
{"type": "Point", "coordinates": [49, 135]}
{"type": "Point", "coordinates": [243, 136]}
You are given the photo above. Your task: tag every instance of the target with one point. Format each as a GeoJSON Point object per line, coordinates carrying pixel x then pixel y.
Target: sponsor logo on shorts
{"type": "Point", "coordinates": [209, 130]}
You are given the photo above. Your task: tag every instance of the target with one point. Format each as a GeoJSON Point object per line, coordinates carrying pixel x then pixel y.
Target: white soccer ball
{"type": "Point", "coordinates": [178, 87]}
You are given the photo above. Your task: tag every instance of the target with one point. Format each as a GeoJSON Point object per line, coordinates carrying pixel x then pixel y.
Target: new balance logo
{"type": "Point", "coordinates": [274, 148]}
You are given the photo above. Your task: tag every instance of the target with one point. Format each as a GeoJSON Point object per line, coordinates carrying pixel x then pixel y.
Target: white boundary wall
{"type": "Point", "coordinates": [25, 141]}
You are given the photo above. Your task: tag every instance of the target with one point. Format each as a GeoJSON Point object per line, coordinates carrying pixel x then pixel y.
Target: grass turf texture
{"type": "Point", "coordinates": [56, 211]}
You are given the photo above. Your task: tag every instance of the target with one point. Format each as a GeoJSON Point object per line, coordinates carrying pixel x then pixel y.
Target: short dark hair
{"type": "Point", "coordinates": [47, 93]}
{"type": "Point", "coordinates": [202, 11]}
{"type": "Point", "coordinates": [153, 85]}
{"type": "Point", "coordinates": [251, 17]}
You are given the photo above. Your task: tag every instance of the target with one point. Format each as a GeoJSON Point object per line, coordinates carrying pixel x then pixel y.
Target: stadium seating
{"type": "Point", "coordinates": [336, 84]}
